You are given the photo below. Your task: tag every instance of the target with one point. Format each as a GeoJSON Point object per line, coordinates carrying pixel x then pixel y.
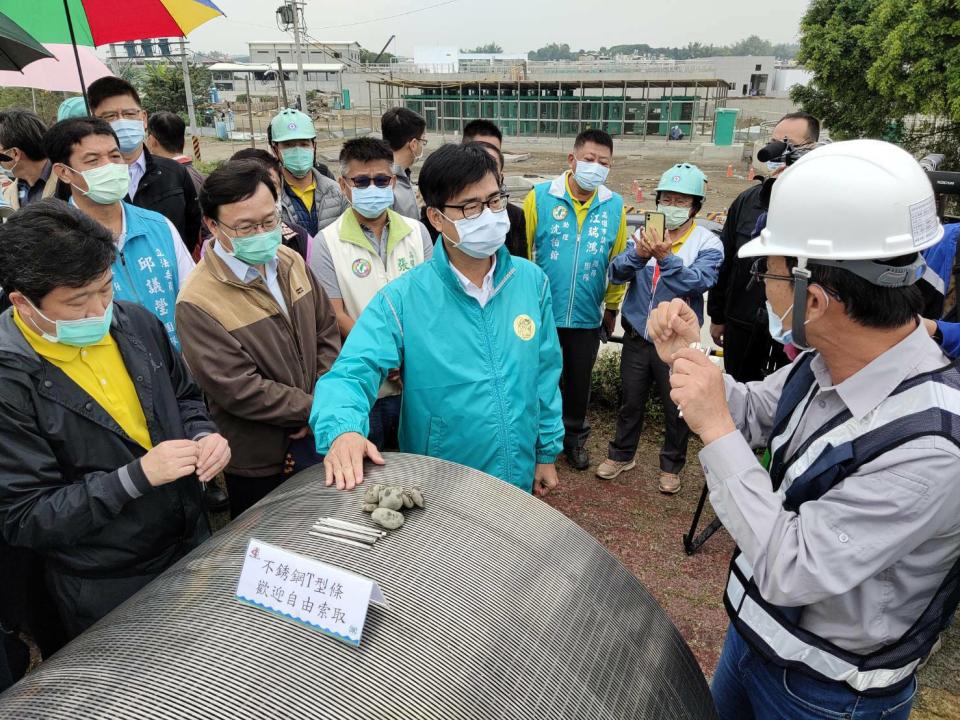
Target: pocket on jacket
{"type": "Point", "coordinates": [435, 436]}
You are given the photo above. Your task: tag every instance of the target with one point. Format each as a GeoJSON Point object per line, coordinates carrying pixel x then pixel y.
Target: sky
{"type": "Point", "coordinates": [516, 26]}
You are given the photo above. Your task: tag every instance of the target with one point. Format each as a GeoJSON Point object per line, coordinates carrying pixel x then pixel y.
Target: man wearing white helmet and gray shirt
{"type": "Point", "coordinates": [846, 569]}
{"type": "Point", "coordinates": [308, 199]}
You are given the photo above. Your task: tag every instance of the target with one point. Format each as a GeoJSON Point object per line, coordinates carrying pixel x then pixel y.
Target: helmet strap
{"type": "Point", "coordinates": [801, 280]}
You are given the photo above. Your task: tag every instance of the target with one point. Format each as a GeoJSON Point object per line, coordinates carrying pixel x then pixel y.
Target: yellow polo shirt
{"type": "Point", "coordinates": [100, 372]}
{"type": "Point", "coordinates": [306, 195]}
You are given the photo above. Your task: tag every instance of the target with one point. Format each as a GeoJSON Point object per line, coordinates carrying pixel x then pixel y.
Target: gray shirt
{"type": "Point", "coordinates": [867, 556]}
{"type": "Point", "coordinates": [321, 261]}
{"type": "Point", "coordinates": [404, 196]}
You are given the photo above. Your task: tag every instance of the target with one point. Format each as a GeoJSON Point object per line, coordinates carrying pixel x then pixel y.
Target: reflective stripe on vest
{"type": "Point", "coordinates": [925, 405]}
{"type": "Point", "coordinates": [754, 621]}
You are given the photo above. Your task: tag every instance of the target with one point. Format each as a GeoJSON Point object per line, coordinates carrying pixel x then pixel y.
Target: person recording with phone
{"type": "Point", "coordinates": [672, 257]}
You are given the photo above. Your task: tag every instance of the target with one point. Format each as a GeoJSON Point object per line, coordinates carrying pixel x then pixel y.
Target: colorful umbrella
{"type": "Point", "coordinates": [58, 72]}
{"type": "Point", "coordinates": [97, 22]}
{"type": "Point", "coordinates": [17, 48]}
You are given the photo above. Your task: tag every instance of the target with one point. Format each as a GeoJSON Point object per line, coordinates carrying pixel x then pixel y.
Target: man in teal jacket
{"type": "Point", "coordinates": [472, 330]}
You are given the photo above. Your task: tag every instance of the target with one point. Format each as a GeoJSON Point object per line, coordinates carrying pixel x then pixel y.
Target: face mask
{"type": "Point", "coordinates": [106, 184]}
{"type": "Point", "coordinates": [775, 325]}
{"type": "Point", "coordinates": [257, 249]}
{"type": "Point", "coordinates": [298, 160]}
{"type": "Point", "coordinates": [674, 217]}
{"type": "Point", "coordinates": [482, 236]}
{"type": "Point", "coordinates": [372, 201]}
{"type": "Point", "coordinates": [774, 165]}
{"type": "Point", "coordinates": [590, 175]}
{"type": "Point", "coordinates": [416, 158]}
{"type": "Point", "coordinates": [8, 172]}
{"type": "Point", "coordinates": [129, 134]}
{"type": "Point", "coordinates": [78, 333]}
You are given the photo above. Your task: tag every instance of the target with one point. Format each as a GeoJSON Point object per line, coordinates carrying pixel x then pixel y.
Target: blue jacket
{"type": "Point", "coordinates": [686, 273]}
{"type": "Point", "coordinates": [480, 385]}
{"type": "Point", "coordinates": [145, 270]}
{"type": "Point", "coordinates": [575, 255]}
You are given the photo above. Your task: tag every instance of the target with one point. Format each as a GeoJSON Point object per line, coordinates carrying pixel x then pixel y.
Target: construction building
{"type": "Point", "coordinates": [560, 108]}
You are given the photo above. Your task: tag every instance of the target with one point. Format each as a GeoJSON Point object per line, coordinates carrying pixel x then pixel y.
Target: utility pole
{"type": "Point", "coordinates": [301, 83]}
{"type": "Point", "coordinates": [191, 112]}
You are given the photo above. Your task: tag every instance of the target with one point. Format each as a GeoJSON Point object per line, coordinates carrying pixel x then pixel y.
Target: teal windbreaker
{"type": "Point", "coordinates": [480, 385]}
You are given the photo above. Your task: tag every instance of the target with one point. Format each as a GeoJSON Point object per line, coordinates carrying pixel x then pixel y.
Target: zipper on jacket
{"type": "Point", "coordinates": [133, 286]}
{"type": "Point", "coordinates": [498, 392]}
{"type": "Point", "coordinates": [573, 278]}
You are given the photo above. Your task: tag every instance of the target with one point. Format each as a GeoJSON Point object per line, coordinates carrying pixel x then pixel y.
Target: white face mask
{"type": "Point", "coordinates": [481, 237]}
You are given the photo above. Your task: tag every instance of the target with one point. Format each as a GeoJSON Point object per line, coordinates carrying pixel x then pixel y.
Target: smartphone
{"type": "Point", "coordinates": [655, 221]}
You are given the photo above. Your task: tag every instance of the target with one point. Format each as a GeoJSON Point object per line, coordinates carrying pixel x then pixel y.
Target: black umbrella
{"type": "Point", "coordinates": [17, 48]}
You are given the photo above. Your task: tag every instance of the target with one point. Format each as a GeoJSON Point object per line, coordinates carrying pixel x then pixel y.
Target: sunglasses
{"type": "Point", "coordinates": [363, 181]}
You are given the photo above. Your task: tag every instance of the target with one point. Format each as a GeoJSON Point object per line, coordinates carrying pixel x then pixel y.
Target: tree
{"type": "Point", "coordinates": [553, 51]}
{"type": "Point", "coordinates": [835, 46]}
{"type": "Point", "coordinates": [368, 56]}
{"type": "Point", "coordinates": [885, 68]}
{"type": "Point", "coordinates": [161, 88]}
{"type": "Point", "coordinates": [488, 49]}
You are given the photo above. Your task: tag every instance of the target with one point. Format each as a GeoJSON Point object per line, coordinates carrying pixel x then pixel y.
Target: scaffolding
{"type": "Point", "coordinates": [535, 109]}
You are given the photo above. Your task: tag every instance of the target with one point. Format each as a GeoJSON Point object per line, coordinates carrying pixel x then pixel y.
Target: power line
{"type": "Point", "coordinates": [388, 17]}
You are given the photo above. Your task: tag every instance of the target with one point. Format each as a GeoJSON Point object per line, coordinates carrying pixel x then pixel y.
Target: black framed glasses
{"type": "Point", "coordinates": [246, 229]}
{"type": "Point", "coordinates": [470, 210]}
{"type": "Point", "coordinates": [363, 181]}
{"type": "Point", "coordinates": [759, 273]}
{"type": "Point", "coordinates": [126, 114]}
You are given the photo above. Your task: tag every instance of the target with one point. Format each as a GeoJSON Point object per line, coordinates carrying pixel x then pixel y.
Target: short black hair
{"type": "Point", "coordinates": [399, 125]}
{"type": "Point", "coordinates": [813, 125]}
{"type": "Point", "coordinates": [24, 130]}
{"type": "Point", "coordinates": [492, 148]}
{"type": "Point", "coordinates": [481, 127]}
{"type": "Point", "coordinates": [365, 149]}
{"type": "Point", "coordinates": [50, 244]}
{"type": "Point", "coordinates": [865, 303]}
{"type": "Point", "coordinates": [235, 181]}
{"type": "Point", "coordinates": [452, 168]}
{"type": "Point", "coordinates": [64, 135]}
{"type": "Point", "coordinates": [169, 129]}
{"type": "Point", "coordinates": [107, 87]}
{"type": "Point", "coordinates": [265, 157]}
{"type": "Point", "coordinates": [594, 135]}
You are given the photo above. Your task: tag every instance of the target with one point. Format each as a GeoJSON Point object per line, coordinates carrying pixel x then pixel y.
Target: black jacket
{"type": "Point", "coordinates": [167, 188]}
{"type": "Point", "coordinates": [516, 239]}
{"type": "Point", "coordinates": [733, 299]}
{"type": "Point", "coordinates": [71, 485]}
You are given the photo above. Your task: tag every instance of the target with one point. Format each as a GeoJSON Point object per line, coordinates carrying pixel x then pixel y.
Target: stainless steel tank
{"type": "Point", "coordinates": [499, 607]}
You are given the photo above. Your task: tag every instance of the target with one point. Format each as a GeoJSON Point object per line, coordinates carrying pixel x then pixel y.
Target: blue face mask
{"type": "Point", "coordinates": [371, 201]}
{"type": "Point", "coordinates": [78, 333]}
{"type": "Point", "coordinates": [482, 236]}
{"type": "Point", "coordinates": [129, 134]}
{"type": "Point", "coordinates": [775, 325]}
{"type": "Point", "coordinates": [590, 175]}
{"type": "Point", "coordinates": [774, 165]}
{"type": "Point", "coordinates": [298, 160]}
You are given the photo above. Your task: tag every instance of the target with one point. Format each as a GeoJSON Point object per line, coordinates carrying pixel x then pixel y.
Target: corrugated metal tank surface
{"type": "Point", "coordinates": [499, 607]}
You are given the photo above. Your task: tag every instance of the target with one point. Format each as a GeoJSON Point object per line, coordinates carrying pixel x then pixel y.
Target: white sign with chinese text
{"type": "Point", "coordinates": [308, 591]}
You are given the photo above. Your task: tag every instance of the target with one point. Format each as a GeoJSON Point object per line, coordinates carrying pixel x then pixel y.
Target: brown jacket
{"type": "Point", "coordinates": [256, 367]}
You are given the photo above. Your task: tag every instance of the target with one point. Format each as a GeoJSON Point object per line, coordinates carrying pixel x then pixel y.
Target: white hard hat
{"type": "Point", "coordinates": [853, 200]}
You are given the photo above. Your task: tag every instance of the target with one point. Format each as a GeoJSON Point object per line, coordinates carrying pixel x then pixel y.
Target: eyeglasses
{"type": "Point", "coordinates": [470, 210]}
{"type": "Point", "coordinates": [759, 272]}
{"type": "Point", "coordinates": [685, 203]}
{"type": "Point", "coordinates": [423, 141]}
{"type": "Point", "coordinates": [363, 181]}
{"type": "Point", "coordinates": [247, 229]}
{"type": "Point", "coordinates": [129, 114]}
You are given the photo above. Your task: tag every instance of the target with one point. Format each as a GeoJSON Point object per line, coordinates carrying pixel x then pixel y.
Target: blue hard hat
{"type": "Point", "coordinates": [74, 107]}
{"type": "Point", "coordinates": [684, 178]}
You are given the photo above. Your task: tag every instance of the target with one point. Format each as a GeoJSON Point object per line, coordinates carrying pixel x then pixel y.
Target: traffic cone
{"type": "Point", "coordinates": [639, 193]}
{"type": "Point", "coordinates": [752, 174]}
{"type": "Point", "coordinates": [729, 171]}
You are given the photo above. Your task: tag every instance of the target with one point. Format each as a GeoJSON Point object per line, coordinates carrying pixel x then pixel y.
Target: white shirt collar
{"type": "Point", "coordinates": [483, 293]}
